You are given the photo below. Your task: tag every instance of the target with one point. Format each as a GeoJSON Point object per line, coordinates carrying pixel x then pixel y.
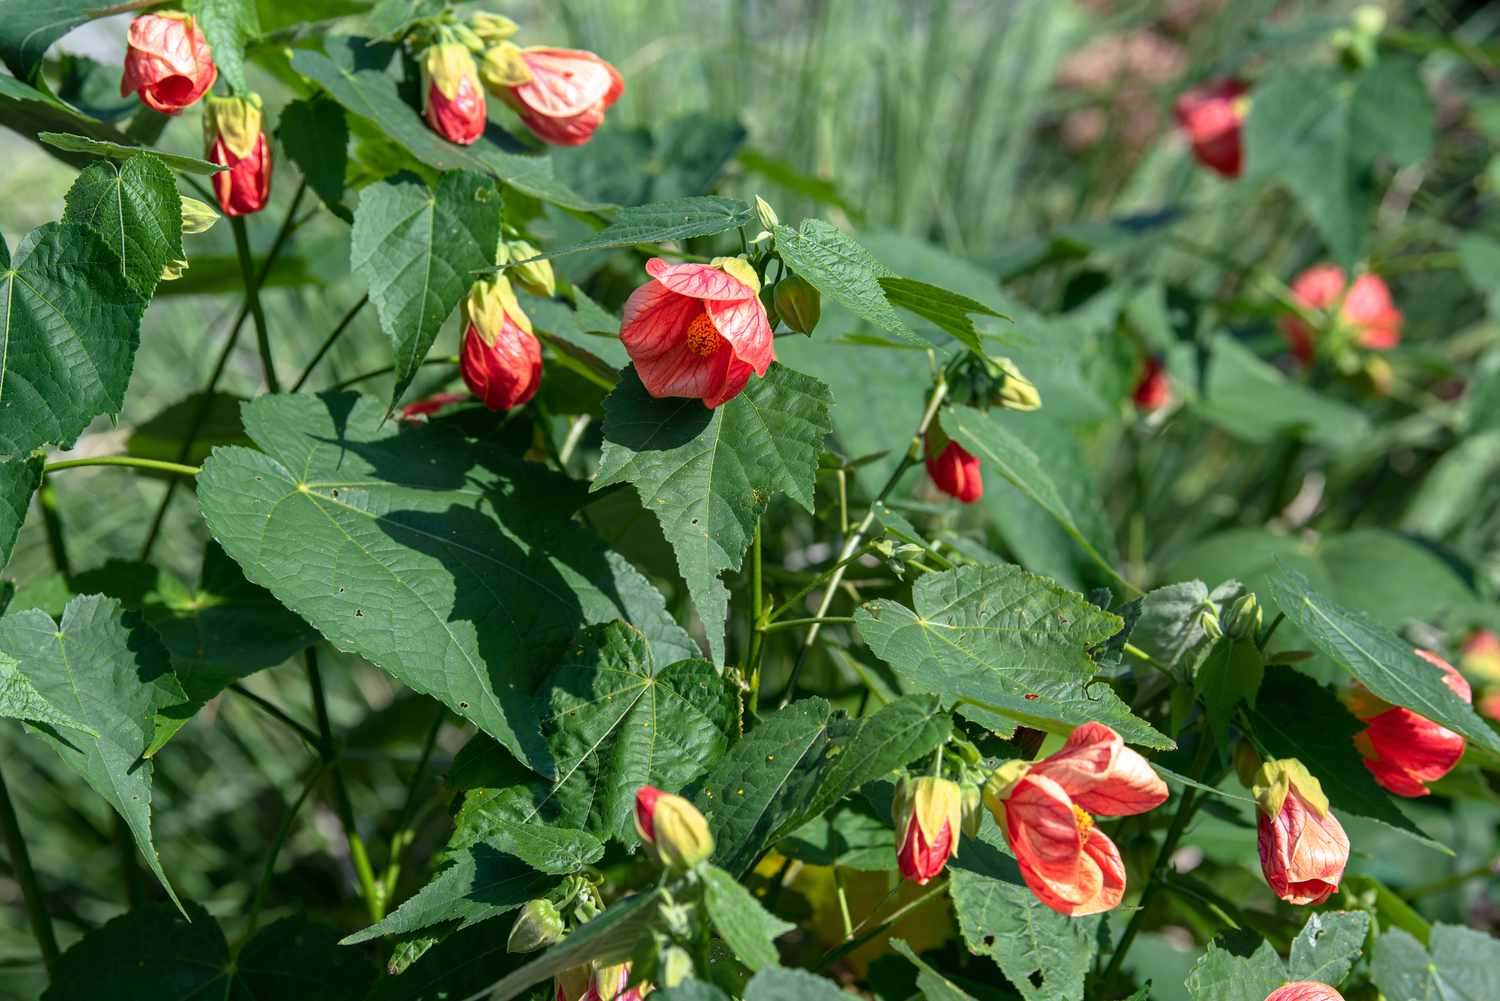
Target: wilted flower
{"type": "Point", "coordinates": [1303, 848]}
{"type": "Point", "coordinates": [167, 62]}
{"type": "Point", "coordinates": [1211, 117]}
{"type": "Point", "coordinates": [1305, 990]}
{"type": "Point", "coordinates": [928, 813]}
{"type": "Point", "coordinates": [672, 827]}
{"type": "Point", "coordinates": [1046, 810]}
{"type": "Point", "coordinates": [698, 330]}
{"type": "Point", "coordinates": [1405, 751]}
{"type": "Point", "coordinates": [452, 99]}
{"type": "Point", "coordinates": [232, 133]}
{"type": "Point", "coordinates": [951, 468]}
{"type": "Point", "coordinates": [1153, 389]}
{"type": "Point", "coordinates": [560, 94]}
{"type": "Point", "coordinates": [501, 360]}
{"type": "Point", "coordinates": [1366, 314]}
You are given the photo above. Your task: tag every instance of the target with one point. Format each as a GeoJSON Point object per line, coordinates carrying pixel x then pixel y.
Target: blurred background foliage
{"type": "Point", "coordinates": [1022, 152]}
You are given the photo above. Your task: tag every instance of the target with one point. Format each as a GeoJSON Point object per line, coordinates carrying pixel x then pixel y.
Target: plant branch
{"type": "Point", "coordinates": [132, 461]}
{"type": "Point", "coordinates": [57, 543]}
{"type": "Point", "coordinates": [850, 945]}
{"type": "Point", "coordinates": [252, 296]}
{"type": "Point", "coordinates": [329, 341]}
{"type": "Point", "coordinates": [388, 369]}
{"type": "Point", "coordinates": [279, 714]}
{"type": "Point", "coordinates": [757, 620]}
{"type": "Point", "coordinates": [25, 876]}
{"type": "Point", "coordinates": [282, 833]}
{"type": "Point", "coordinates": [405, 829]}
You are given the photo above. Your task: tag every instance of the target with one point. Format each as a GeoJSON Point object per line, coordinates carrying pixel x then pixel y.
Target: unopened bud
{"type": "Point", "coordinates": [197, 217]}
{"type": "Point", "coordinates": [492, 28]}
{"type": "Point", "coordinates": [1016, 392]}
{"type": "Point", "coordinates": [798, 304]}
{"type": "Point", "coordinates": [1244, 618]}
{"type": "Point", "coordinates": [766, 213]}
{"type": "Point", "coordinates": [571, 985]}
{"type": "Point", "coordinates": [973, 811]}
{"type": "Point", "coordinates": [172, 270]}
{"type": "Point", "coordinates": [768, 302]}
{"type": "Point", "coordinates": [502, 68]}
{"type": "Point", "coordinates": [674, 829]}
{"type": "Point", "coordinates": [537, 926]}
{"type": "Point", "coordinates": [1369, 19]}
{"type": "Point", "coordinates": [674, 966]}
{"type": "Point", "coordinates": [1208, 619]}
{"type": "Point", "coordinates": [535, 277]}
{"type": "Point", "coordinates": [1246, 763]}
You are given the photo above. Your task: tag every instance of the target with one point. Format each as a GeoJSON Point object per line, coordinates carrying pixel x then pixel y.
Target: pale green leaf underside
{"type": "Point", "coordinates": [747, 927]}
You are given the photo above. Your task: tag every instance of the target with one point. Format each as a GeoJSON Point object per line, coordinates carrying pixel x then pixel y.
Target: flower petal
{"type": "Point", "coordinates": [701, 281]}
{"type": "Point", "coordinates": [743, 323]}
{"type": "Point", "coordinates": [1042, 828]}
{"type": "Point", "coordinates": [1102, 775]}
{"type": "Point", "coordinates": [566, 83]}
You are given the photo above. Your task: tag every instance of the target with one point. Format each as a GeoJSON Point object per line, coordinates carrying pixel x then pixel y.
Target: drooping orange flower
{"type": "Point", "coordinates": [560, 94]}
{"type": "Point", "coordinates": [928, 813]}
{"type": "Point", "coordinates": [1405, 751]}
{"type": "Point", "coordinates": [1046, 810]}
{"type": "Point", "coordinates": [698, 330]}
{"type": "Point", "coordinates": [232, 133]}
{"type": "Point", "coordinates": [1154, 389]}
{"type": "Point", "coordinates": [951, 467]}
{"type": "Point", "coordinates": [452, 100]}
{"type": "Point", "coordinates": [1211, 116]}
{"type": "Point", "coordinates": [167, 62]}
{"type": "Point", "coordinates": [501, 359]}
{"type": "Point", "coordinates": [1303, 847]}
{"type": "Point", "coordinates": [1305, 990]}
{"type": "Point", "coordinates": [1366, 311]}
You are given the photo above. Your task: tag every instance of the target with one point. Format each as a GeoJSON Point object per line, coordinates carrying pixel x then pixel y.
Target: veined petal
{"type": "Point", "coordinates": [567, 82]}
{"type": "Point", "coordinates": [701, 281]}
{"type": "Point", "coordinates": [1042, 828]}
{"type": "Point", "coordinates": [1102, 775]}
{"type": "Point", "coordinates": [743, 323]}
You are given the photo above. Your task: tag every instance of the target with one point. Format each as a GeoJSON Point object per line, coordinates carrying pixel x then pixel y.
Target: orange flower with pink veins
{"type": "Point", "coordinates": [1303, 847]}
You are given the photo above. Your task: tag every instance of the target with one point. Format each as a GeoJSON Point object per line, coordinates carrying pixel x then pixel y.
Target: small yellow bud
{"type": "Point", "coordinates": [197, 217]}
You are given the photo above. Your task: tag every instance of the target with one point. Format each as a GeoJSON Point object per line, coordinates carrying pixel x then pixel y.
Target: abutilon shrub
{"type": "Point", "coordinates": [744, 501]}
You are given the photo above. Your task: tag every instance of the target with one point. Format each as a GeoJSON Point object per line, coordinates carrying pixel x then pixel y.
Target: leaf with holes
{"type": "Point", "coordinates": [69, 327]}
{"type": "Point", "coordinates": [453, 567]}
{"type": "Point", "coordinates": [135, 208]}
{"type": "Point", "coordinates": [419, 250]}
{"type": "Point", "coordinates": [1328, 946]}
{"type": "Point", "coordinates": [1220, 975]}
{"type": "Point", "coordinates": [1014, 647]}
{"type": "Point", "coordinates": [709, 474]}
{"type": "Point", "coordinates": [614, 722]}
{"type": "Point", "coordinates": [102, 667]}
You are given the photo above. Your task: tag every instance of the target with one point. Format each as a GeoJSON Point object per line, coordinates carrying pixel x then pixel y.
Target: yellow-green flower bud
{"type": "Point", "coordinates": [197, 217]}
{"type": "Point", "coordinates": [492, 28]}
{"type": "Point", "coordinates": [1244, 618]}
{"type": "Point", "coordinates": [674, 829]}
{"type": "Point", "coordinates": [537, 926]}
{"type": "Point", "coordinates": [535, 277]}
{"type": "Point", "coordinates": [798, 304]}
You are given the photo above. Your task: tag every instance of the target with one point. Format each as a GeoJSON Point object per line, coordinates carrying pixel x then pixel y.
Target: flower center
{"type": "Point", "coordinates": [1085, 822]}
{"type": "Point", "coordinates": [703, 338]}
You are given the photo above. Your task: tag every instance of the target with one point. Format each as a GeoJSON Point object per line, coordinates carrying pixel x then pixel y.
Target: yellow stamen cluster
{"type": "Point", "coordinates": [703, 338]}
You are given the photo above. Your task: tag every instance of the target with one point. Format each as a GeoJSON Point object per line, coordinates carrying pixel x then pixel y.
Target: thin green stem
{"type": "Point", "coordinates": [279, 714]}
{"type": "Point", "coordinates": [159, 465]}
{"type": "Point", "coordinates": [57, 543]}
{"type": "Point", "coordinates": [771, 627]}
{"type": "Point", "coordinates": [1449, 882]}
{"type": "Point", "coordinates": [757, 620]}
{"type": "Point", "coordinates": [854, 943]}
{"type": "Point", "coordinates": [252, 296]}
{"type": "Point", "coordinates": [791, 602]}
{"type": "Point", "coordinates": [838, 882]}
{"type": "Point", "coordinates": [268, 870]}
{"type": "Point", "coordinates": [25, 876]}
{"type": "Point", "coordinates": [405, 829]}
{"type": "Point", "coordinates": [328, 342]}
{"type": "Point", "coordinates": [1185, 808]}
{"type": "Point", "coordinates": [939, 393]}
{"type": "Point", "coordinates": [370, 889]}
{"type": "Point", "coordinates": [388, 369]}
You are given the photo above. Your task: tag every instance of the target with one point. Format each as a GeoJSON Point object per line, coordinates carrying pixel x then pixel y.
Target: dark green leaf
{"type": "Point", "coordinates": [1170, 627]}
{"type": "Point", "coordinates": [135, 208]}
{"type": "Point", "coordinates": [19, 699]}
{"type": "Point", "coordinates": [419, 250]}
{"type": "Point", "coordinates": [1229, 675]}
{"type": "Point", "coordinates": [120, 151]}
{"type": "Point", "coordinates": [105, 669]}
{"type": "Point", "coordinates": [933, 985]}
{"type": "Point", "coordinates": [844, 271]}
{"type": "Point", "coordinates": [1280, 721]}
{"type": "Point", "coordinates": [460, 966]}
{"type": "Point", "coordinates": [371, 94]}
{"type": "Point", "coordinates": [1378, 659]}
{"type": "Point", "coordinates": [315, 136]}
{"type": "Point", "coordinates": [948, 310]}
{"type": "Point", "coordinates": [31, 26]}
{"type": "Point", "coordinates": [777, 984]}
{"type": "Point", "coordinates": [904, 730]}
{"type": "Point", "coordinates": [19, 479]}
{"type": "Point", "coordinates": [608, 938]}
{"type": "Point", "coordinates": [1220, 975]}
{"type": "Point", "coordinates": [453, 567]}
{"type": "Point", "coordinates": [692, 990]}
{"type": "Point", "coordinates": [1459, 964]}
{"type": "Point", "coordinates": [598, 335]}
{"type": "Point", "coordinates": [747, 927]}
{"type": "Point", "coordinates": [217, 418]}
{"type": "Point", "coordinates": [1328, 946]}
{"type": "Point", "coordinates": [391, 17]}
{"type": "Point", "coordinates": [70, 327]}
{"type": "Point", "coordinates": [228, 25]}
{"type": "Point", "coordinates": [614, 723]}
{"type": "Point", "coordinates": [1002, 451]}
{"type": "Point", "coordinates": [709, 474]}
{"type": "Point", "coordinates": [1015, 647]}
{"type": "Point", "coordinates": [663, 222]}
{"type": "Point", "coordinates": [1391, 114]}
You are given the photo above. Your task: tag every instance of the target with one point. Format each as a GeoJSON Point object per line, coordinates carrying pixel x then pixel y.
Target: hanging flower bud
{"type": "Point", "coordinates": [535, 277]}
{"type": "Point", "coordinates": [232, 134]}
{"type": "Point", "coordinates": [560, 94]}
{"type": "Point", "coordinates": [698, 330]}
{"type": "Point", "coordinates": [951, 468]}
{"type": "Point", "coordinates": [673, 828]}
{"type": "Point", "coordinates": [1243, 618]}
{"type": "Point", "coordinates": [492, 29]}
{"type": "Point", "coordinates": [1015, 392]}
{"type": "Point", "coordinates": [973, 811]}
{"type": "Point", "coordinates": [536, 927]}
{"type": "Point", "coordinates": [1153, 390]}
{"type": "Point", "coordinates": [986, 381]}
{"type": "Point", "coordinates": [573, 984]}
{"type": "Point", "coordinates": [1303, 847]}
{"type": "Point", "coordinates": [501, 360]}
{"type": "Point", "coordinates": [798, 304]}
{"type": "Point", "coordinates": [1305, 990]}
{"type": "Point", "coordinates": [1211, 117]}
{"type": "Point", "coordinates": [767, 215]}
{"type": "Point", "coordinates": [197, 217]}
{"type": "Point", "coordinates": [452, 100]}
{"type": "Point", "coordinates": [928, 813]}
{"type": "Point", "coordinates": [1405, 751]}
{"type": "Point", "coordinates": [167, 62]}
{"type": "Point", "coordinates": [1365, 313]}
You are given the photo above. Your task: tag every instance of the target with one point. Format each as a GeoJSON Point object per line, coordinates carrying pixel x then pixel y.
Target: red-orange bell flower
{"type": "Point", "coordinates": [1303, 848]}
{"type": "Point", "coordinates": [167, 62]}
{"type": "Point", "coordinates": [452, 100]}
{"type": "Point", "coordinates": [1366, 311]}
{"type": "Point", "coordinates": [560, 94]}
{"type": "Point", "coordinates": [951, 467]}
{"type": "Point", "coordinates": [1305, 990]}
{"type": "Point", "coordinates": [1046, 812]}
{"type": "Point", "coordinates": [232, 133]}
{"type": "Point", "coordinates": [501, 360]}
{"type": "Point", "coordinates": [928, 813]}
{"type": "Point", "coordinates": [1405, 751]}
{"type": "Point", "coordinates": [698, 330]}
{"type": "Point", "coordinates": [1154, 389]}
{"type": "Point", "coordinates": [1211, 117]}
